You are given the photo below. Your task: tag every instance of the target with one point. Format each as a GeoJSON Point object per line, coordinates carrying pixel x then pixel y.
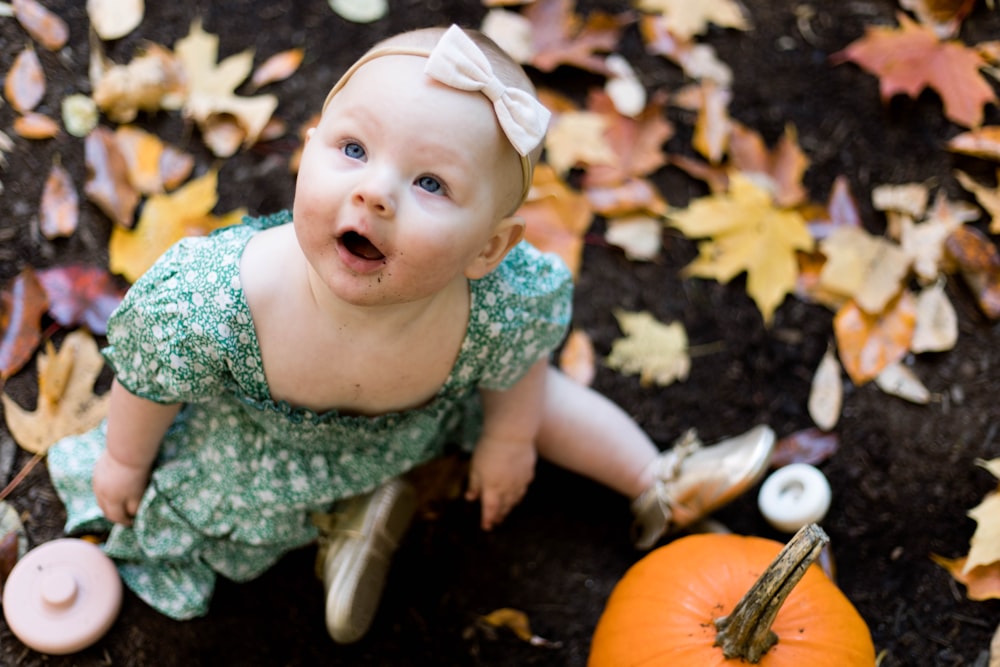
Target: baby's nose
{"type": "Point", "coordinates": [376, 194]}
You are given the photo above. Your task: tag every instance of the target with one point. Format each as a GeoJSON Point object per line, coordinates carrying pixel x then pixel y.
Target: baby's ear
{"type": "Point", "coordinates": [507, 234]}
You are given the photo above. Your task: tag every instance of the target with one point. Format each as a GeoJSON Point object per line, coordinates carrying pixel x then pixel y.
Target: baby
{"type": "Point", "coordinates": [297, 365]}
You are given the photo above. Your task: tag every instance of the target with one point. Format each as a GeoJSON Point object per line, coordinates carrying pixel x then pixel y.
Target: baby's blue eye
{"type": "Point", "coordinates": [354, 150]}
{"type": "Point", "coordinates": [430, 184]}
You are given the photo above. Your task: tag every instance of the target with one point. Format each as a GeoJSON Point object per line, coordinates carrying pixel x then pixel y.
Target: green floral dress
{"type": "Point", "coordinates": [238, 473]}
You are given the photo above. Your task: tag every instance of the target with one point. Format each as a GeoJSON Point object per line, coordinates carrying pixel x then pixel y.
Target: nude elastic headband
{"type": "Point", "coordinates": [457, 62]}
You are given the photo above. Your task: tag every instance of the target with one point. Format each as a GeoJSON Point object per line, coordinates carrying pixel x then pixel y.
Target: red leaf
{"type": "Point", "coordinates": [59, 212]}
{"type": "Point", "coordinates": [21, 308]}
{"type": "Point", "coordinates": [809, 445]}
{"type": "Point", "coordinates": [81, 295]}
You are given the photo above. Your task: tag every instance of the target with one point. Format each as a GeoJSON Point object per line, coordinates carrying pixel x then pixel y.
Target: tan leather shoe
{"type": "Point", "coordinates": [357, 541]}
{"type": "Point", "coordinates": [693, 480]}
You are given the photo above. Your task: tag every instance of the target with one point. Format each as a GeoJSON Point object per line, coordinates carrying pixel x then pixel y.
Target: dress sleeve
{"type": "Point", "coordinates": [168, 340]}
{"type": "Point", "coordinates": [523, 310]}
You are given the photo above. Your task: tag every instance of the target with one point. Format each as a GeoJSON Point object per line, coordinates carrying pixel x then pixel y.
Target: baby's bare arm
{"type": "Point", "coordinates": [135, 430]}
{"type": "Point", "coordinates": [503, 463]}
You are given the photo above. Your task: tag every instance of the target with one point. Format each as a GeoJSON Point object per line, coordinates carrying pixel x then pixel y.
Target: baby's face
{"type": "Point", "coordinates": [401, 184]}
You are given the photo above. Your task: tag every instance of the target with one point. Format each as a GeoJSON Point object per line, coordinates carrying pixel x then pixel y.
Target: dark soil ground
{"type": "Point", "coordinates": [903, 477]}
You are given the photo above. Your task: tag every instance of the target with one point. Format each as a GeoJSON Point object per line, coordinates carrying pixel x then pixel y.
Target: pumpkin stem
{"type": "Point", "coordinates": [746, 632]}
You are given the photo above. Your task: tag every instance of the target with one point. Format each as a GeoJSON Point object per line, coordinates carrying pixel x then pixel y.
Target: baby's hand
{"type": "Point", "coordinates": [499, 476]}
{"type": "Point", "coordinates": [119, 488]}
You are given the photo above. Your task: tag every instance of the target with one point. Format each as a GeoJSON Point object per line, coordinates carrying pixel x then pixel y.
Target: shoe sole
{"type": "Point", "coordinates": [361, 564]}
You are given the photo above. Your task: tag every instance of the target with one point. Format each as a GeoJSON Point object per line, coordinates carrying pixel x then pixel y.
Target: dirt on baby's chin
{"type": "Point", "coordinates": [904, 475]}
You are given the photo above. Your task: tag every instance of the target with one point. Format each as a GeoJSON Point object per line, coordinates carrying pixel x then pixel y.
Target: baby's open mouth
{"type": "Point", "coordinates": [359, 246]}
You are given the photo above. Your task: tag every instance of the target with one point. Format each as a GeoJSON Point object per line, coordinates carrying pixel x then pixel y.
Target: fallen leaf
{"type": "Point", "coordinates": [562, 37]}
{"type": "Point", "coordinates": [841, 211]}
{"type": "Point", "coordinates": [778, 170]}
{"type": "Point", "coordinates": [15, 541]}
{"type": "Point", "coordinates": [713, 126]}
{"type": "Point", "coordinates": [108, 183]}
{"type": "Point", "coordinates": [687, 19]}
{"type": "Point", "coordinates": [638, 235]}
{"type": "Point", "coordinates": [44, 26]}
{"type": "Point", "coordinates": [152, 81]}
{"type": "Point", "coordinates": [623, 87]}
{"type": "Point", "coordinates": [979, 264]}
{"type": "Point", "coordinates": [912, 57]}
{"type": "Point", "coordinates": [511, 31]}
{"type": "Point", "coordinates": [657, 352]}
{"type": "Point", "coordinates": [67, 404]}
{"type": "Point", "coordinates": [943, 16]}
{"type": "Point", "coordinates": [867, 343]}
{"type": "Point", "coordinates": [982, 582]}
{"type": "Point", "coordinates": [278, 67]}
{"type": "Point", "coordinates": [166, 219]}
{"type": "Point", "coordinates": [153, 166]}
{"type": "Point", "coordinates": [936, 329]}
{"type": "Point", "coordinates": [826, 394]}
{"type": "Point", "coordinates": [34, 125]}
{"type": "Point", "coordinates": [360, 11]}
{"type": "Point", "coordinates": [80, 114]}
{"type": "Point", "coordinates": [211, 86]}
{"type": "Point", "coordinates": [81, 295]}
{"type": "Point", "coordinates": [984, 547]}
{"type": "Point", "coordinates": [748, 233]}
{"type": "Point", "coordinates": [577, 138]}
{"type": "Point", "coordinates": [577, 358]}
{"type": "Point", "coordinates": [810, 445]}
{"type": "Point", "coordinates": [899, 380]}
{"type": "Point", "coordinates": [59, 211]}
{"type": "Point", "coordinates": [24, 86]}
{"type": "Point", "coordinates": [983, 142]}
{"type": "Point", "coordinates": [113, 19]}
{"type": "Point", "coordinates": [988, 198]}
{"type": "Point", "coordinates": [22, 304]}
{"type": "Point", "coordinates": [924, 242]}
{"type": "Point", "coordinates": [637, 143]}
{"type": "Point", "coordinates": [517, 622]}
{"type": "Point", "coordinates": [636, 196]}
{"type": "Point", "coordinates": [908, 198]}
{"type": "Point", "coordinates": [557, 217]}
{"type": "Point", "coordinates": [869, 269]}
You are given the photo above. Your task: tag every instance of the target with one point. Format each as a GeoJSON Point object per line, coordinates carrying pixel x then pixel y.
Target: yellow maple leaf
{"type": "Point", "coordinates": [685, 19]}
{"type": "Point", "coordinates": [211, 87]}
{"type": "Point", "coordinates": [66, 401]}
{"type": "Point", "coordinates": [657, 352]}
{"type": "Point", "coordinates": [748, 233]}
{"type": "Point", "coordinates": [166, 219]}
{"type": "Point", "coordinates": [578, 138]}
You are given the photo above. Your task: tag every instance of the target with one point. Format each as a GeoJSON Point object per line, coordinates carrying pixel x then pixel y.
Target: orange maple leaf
{"type": "Point", "coordinates": [868, 343]}
{"type": "Point", "coordinates": [557, 217]}
{"type": "Point", "coordinates": [913, 57]}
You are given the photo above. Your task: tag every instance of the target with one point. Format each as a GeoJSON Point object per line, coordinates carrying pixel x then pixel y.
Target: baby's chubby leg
{"type": "Point", "coordinates": [586, 433]}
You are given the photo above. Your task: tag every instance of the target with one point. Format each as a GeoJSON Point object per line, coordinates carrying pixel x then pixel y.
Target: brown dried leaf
{"type": "Point", "coordinates": [24, 86]}
{"type": "Point", "coordinates": [636, 142]}
{"type": "Point", "coordinates": [979, 263]}
{"type": "Point", "coordinates": [981, 142]}
{"type": "Point", "coordinates": [557, 217]}
{"type": "Point", "coordinates": [22, 304]}
{"type": "Point", "coordinates": [66, 401]}
{"type": "Point", "coordinates": [810, 445]}
{"type": "Point", "coordinates": [113, 19]}
{"type": "Point", "coordinates": [108, 183]}
{"type": "Point", "coordinates": [35, 126]}
{"type": "Point", "coordinates": [44, 26]}
{"type": "Point", "coordinates": [982, 582]}
{"type": "Point", "coordinates": [867, 343]}
{"type": "Point", "coordinates": [276, 68]}
{"type": "Point", "coordinates": [517, 622]}
{"type": "Point", "coordinates": [152, 81]}
{"type": "Point", "coordinates": [59, 211]}
{"type": "Point", "coordinates": [561, 37]}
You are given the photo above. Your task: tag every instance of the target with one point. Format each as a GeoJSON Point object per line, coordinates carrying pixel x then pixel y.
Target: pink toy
{"type": "Point", "coordinates": [62, 596]}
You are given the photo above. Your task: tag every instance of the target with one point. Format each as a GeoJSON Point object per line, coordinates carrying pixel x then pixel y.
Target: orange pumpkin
{"type": "Point", "coordinates": [682, 602]}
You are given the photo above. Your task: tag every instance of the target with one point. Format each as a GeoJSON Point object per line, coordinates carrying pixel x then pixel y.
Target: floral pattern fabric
{"type": "Point", "coordinates": [237, 473]}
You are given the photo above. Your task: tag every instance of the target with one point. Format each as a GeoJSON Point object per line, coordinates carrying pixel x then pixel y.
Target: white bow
{"type": "Point", "coordinates": [456, 61]}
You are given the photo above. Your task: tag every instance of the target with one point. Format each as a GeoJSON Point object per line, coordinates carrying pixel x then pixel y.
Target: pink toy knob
{"type": "Point", "coordinates": [62, 596]}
